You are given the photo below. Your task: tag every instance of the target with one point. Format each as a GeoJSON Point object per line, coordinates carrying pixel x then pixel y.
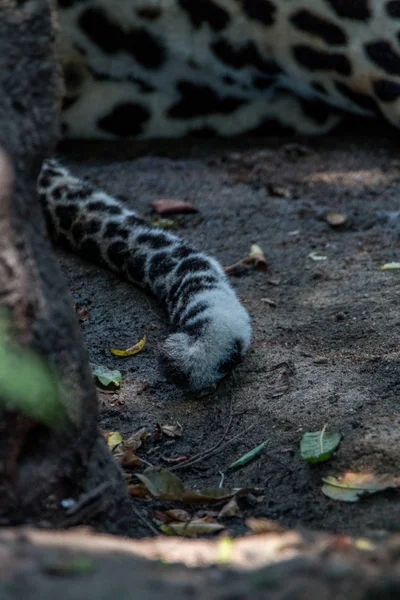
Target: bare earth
{"type": "Point", "coordinates": [326, 332]}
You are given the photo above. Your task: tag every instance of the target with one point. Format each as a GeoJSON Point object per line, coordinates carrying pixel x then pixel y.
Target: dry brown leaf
{"type": "Point", "coordinates": [191, 529]}
{"type": "Point", "coordinates": [231, 509]}
{"type": "Point", "coordinates": [164, 485]}
{"type": "Point", "coordinates": [127, 459]}
{"type": "Point", "coordinates": [257, 257]}
{"type": "Point", "coordinates": [172, 431]}
{"type": "Point", "coordinates": [135, 441]}
{"type": "Point", "coordinates": [172, 516]}
{"type": "Point", "coordinates": [138, 490]}
{"type": "Point", "coordinates": [169, 207]}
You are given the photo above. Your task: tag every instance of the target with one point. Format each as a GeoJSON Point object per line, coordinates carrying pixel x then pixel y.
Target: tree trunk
{"type": "Point", "coordinates": [39, 465]}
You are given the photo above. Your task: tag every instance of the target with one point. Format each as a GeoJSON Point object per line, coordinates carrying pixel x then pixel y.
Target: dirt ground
{"type": "Point", "coordinates": [326, 332]}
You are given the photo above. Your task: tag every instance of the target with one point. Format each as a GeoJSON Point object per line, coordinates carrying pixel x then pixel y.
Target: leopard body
{"type": "Point", "coordinates": [168, 68]}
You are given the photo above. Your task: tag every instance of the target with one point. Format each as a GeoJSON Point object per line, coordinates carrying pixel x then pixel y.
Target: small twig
{"type": "Point", "coordinates": [145, 521]}
{"type": "Point", "coordinates": [221, 483]}
{"type": "Point", "coordinates": [155, 314]}
{"type": "Point", "coordinates": [214, 450]}
{"type": "Point", "coordinates": [201, 454]}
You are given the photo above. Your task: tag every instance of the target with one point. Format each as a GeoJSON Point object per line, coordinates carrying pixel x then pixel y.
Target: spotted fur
{"type": "Point", "coordinates": [168, 68]}
{"type": "Point", "coordinates": [213, 328]}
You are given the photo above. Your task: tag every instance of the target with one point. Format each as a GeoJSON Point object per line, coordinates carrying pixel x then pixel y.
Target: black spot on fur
{"type": "Point", "coordinates": [135, 267]}
{"type": "Point", "coordinates": [381, 54]}
{"type": "Point", "coordinates": [197, 100]}
{"type": "Point", "coordinates": [263, 83]}
{"type": "Point", "coordinates": [172, 370]}
{"type": "Point", "coordinates": [69, 101]}
{"type": "Point", "coordinates": [145, 48]}
{"type": "Point", "coordinates": [155, 240]}
{"type": "Point", "coordinates": [78, 232]}
{"type": "Point", "coordinates": [44, 181]}
{"type": "Point", "coordinates": [393, 9]}
{"type": "Point", "coordinates": [101, 30]}
{"type": "Point", "coordinates": [66, 215]}
{"type": "Point", "coordinates": [109, 36]}
{"type": "Point", "coordinates": [84, 192]}
{"type": "Point", "coordinates": [206, 11]}
{"type": "Point", "coordinates": [68, 3]}
{"type": "Point", "coordinates": [361, 100]}
{"type": "Point", "coordinates": [191, 265]}
{"type": "Point", "coordinates": [260, 10]}
{"type": "Point", "coordinates": [247, 55]}
{"type": "Point", "coordinates": [115, 229]}
{"type": "Point", "coordinates": [318, 87]}
{"type": "Point", "coordinates": [311, 23]}
{"type": "Point", "coordinates": [193, 312]}
{"type": "Point", "coordinates": [196, 329]}
{"type": "Point", "coordinates": [93, 226]}
{"type": "Point", "coordinates": [187, 294]}
{"type": "Point", "coordinates": [91, 250]}
{"type": "Point", "coordinates": [315, 110]}
{"type": "Point", "coordinates": [317, 60]}
{"type": "Point", "coordinates": [117, 253]}
{"type": "Point", "coordinates": [196, 282]}
{"type": "Point", "coordinates": [386, 90]}
{"type": "Point", "coordinates": [59, 191]}
{"type": "Point", "coordinates": [160, 264]}
{"type": "Point", "coordinates": [351, 9]}
{"type": "Point", "coordinates": [151, 13]}
{"type": "Point", "coordinates": [182, 251]}
{"type": "Point", "coordinates": [125, 120]}
{"type": "Point", "coordinates": [234, 359]}
{"type": "Point", "coordinates": [133, 221]}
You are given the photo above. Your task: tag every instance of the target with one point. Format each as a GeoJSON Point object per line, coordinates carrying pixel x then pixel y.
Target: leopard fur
{"type": "Point", "coordinates": [213, 327]}
{"type": "Point", "coordinates": [168, 68]}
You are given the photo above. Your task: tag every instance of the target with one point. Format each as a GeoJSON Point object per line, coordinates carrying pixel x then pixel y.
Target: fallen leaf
{"type": "Point", "coordinates": [166, 206]}
{"type": "Point", "coordinates": [257, 257]}
{"type": "Point", "coordinates": [107, 377]}
{"type": "Point", "coordinates": [318, 446]}
{"type": "Point", "coordinates": [138, 347]}
{"type": "Point", "coordinates": [135, 441]}
{"type": "Point", "coordinates": [336, 219]}
{"type": "Point", "coordinates": [128, 459]}
{"type": "Point", "coordinates": [172, 516]}
{"type": "Point", "coordinates": [315, 256]}
{"type": "Point", "coordinates": [392, 266]}
{"type": "Point", "coordinates": [164, 485]}
{"type": "Point", "coordinates": [231, 509]}
{"type": "Point", "coordinates": [350, 487]}
{"type": "Point", "coordinates": [138, 490]}
{"type": "Point", "coordinates": [281, 192]}
{"type": "Point", "coordinates": [263, 525]}
{"type": "Point", "coordinates": [243, 460]}
{"type": "Point", "coordinates": [172, 431]}
{"type": "Point", "coordinates": [165, 224]}
{"type": "Point", "coordinates": [113, 439]}
{"type": "Point", "coordinates": [191, 529]}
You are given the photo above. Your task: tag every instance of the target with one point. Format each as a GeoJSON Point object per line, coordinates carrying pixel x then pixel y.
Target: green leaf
{"type": "Point", "coordinates": [107, 377]}
{"type": "Point", "coordinates": [243, 460]}
{"type": "Point", "coordinates": [318, 446]}
{"type": "Point", "coordinates": [350, 487]}
{"type": "Point", "coordinates": [28, 384]}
